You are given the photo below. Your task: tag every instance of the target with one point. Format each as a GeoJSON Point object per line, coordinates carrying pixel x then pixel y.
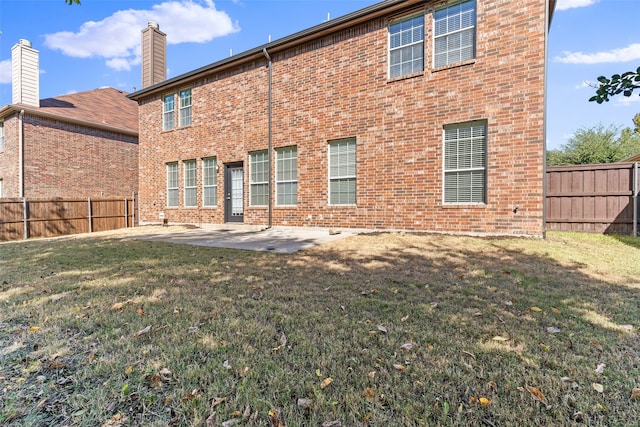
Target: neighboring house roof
{"type": "Point", "coordinates": [379, 9]}
{"type": "Point", "coordinates": [105, 108]}
{"type": "Point", "coordinates": [634, 158]}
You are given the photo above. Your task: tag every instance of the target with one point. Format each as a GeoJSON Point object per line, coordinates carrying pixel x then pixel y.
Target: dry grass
{"type": "Point", "coordinates": [104, 330]}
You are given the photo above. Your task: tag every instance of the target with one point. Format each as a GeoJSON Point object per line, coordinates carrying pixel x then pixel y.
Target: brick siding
{"type": "Point", "coordinates": [63, 160]}
{"type": "Point", "coordinates": [336, 87]}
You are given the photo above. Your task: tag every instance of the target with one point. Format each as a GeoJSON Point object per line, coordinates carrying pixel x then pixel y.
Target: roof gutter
{"type": "Point", "coordinates": [12, 108]}
{"type": "Point", "coordinates": [374, 11]}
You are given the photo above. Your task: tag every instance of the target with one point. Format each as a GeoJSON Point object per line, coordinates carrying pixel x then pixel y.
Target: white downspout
{"type": "Point", "coordinates": [20, 155]}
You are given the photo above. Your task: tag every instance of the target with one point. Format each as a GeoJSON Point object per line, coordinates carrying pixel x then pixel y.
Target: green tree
{"type": "Point", "coordinates": [70, 2]}
{"type": "Point", "coordinates": [597, 145]}
{"type": "Point", "coordinates": [624, 83]}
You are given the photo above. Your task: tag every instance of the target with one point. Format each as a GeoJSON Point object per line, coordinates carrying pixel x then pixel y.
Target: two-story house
{"type": "Point", "coordinates": [78, 145]}
{"type": "Point", "coordinates": [408, 114]}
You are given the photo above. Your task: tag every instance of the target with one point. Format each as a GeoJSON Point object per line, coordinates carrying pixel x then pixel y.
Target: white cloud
{"type": "Point", "coordinates": [117, 38]}
{"type": "Point", "coordinates": [570, 4]}
{"type": "Point", "coordinates": [628, 100]}
{"type": "Point", "coordinates": [625, 54]}
{"type": "Point", "coordinates": [5, 71]}
{"type": "Point", "coordinates": [585, 84]}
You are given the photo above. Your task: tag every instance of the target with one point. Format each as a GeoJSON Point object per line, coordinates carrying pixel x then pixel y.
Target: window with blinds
{"type": "Point", "coordinates": [172, 185]}
{"type": "Point", "coordinates": [454, 34]}
{"type": "Point", "coordinates": [209, 182]}
{"type": "Point", "coordinates": [185, 108]}
{"type": "Point", "coordinates": [190, 183]}
{"type": "Point", "coordinates": [259, 178]}
{"type": "Point", "coordinates": [465, 163]}
{"type": "Point", "coordinates": [168, 111]}
{"type": "Point", "coordinates": [287, 176]}
{"type": "Point", "coordinates": [342, 172]}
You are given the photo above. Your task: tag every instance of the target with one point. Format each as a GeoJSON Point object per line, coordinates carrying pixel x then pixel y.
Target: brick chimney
{"type": "Point", "coordinates": [154, 54]}
{"type": "Point", "coordinates": [25, 79]}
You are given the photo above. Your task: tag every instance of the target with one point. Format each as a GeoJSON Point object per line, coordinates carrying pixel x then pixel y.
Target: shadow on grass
{"type": "Point", "coordinates": [484, 318]}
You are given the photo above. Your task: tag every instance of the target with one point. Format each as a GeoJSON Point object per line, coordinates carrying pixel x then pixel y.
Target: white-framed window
{"type": "Point", "coordinates": [1, 135]}
{"type": "Point", "coordinates": [190, 183]}
{"type": "Point", "coordinates": [454, 34]}
{"type": "Point", "coordinates": [168, 112]}
{"type": "Point", "coordinates": [172, 184]}
{"type": "Point", "coordinates": [184, 109]}
{"type": "Point", "coordinates": [287, 176]}
{"type": "Point", "coordinates": [342, 172]}
{"type": "Point", "coordinates": [259, 178]}
{"type": "Point", "coordinates": [209, 181]}
{"type": "Point", "coordinates": [465, 163]}
{"type": "Point", "coordinates": [406, 46]}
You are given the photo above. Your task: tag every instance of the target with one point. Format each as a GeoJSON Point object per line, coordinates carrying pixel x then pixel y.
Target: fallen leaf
{"type": "Point", "coordinates": [553, 330]}
{"type": "Point", "coordinates": [485, 402]}
{"type": "Point", "coordinates": [120, 305]}
{"type": "Point", "coordinates": [635, 394]}
{"type": "Point", "coordinates": [143, 331]}
{"type": "Point", "coordinates": [189, 396]}
{"type": "Point", "coordinates": [236, 414]}
{"type": "Point", "coordinates": [536, 394]}
{"type": "Point", "coordinates": [274, 418]}
{"type": "Point", "coordinates": [217, 401]}
{"type": "Point", "coordinates": [371, 374]}
{"type": "Point", "coordinates": [226, 365]}
{"type": "Point", "coordinates": [128, 369]}
{"type": "Point", "coordinates": [246, 414]}
{"type": "Point", "coordinates": [141, 311]}
{"type": "Point", "coordinates": [34, 329]}
{"type": "Point", "coordinates": [555, 310]}
{"type": "Point", "coordinates": [600, 368]}
{"type": "Point", "coordinates": [471, 355]}
{"type": "Point", "coordinates": [492, 385]}
{"type": "Point", "coordinates": [598, 387]}
{"type": "Point", "coordinates": [382, 329]}
{"type": "Point", "coordinates": [369, 394]}
{"type": "Point", "coordinates": [326, 382]}
{"type": "Point", "coordinates": [165, 374]}
{"type": "Point", "coordinates": [404, 319]}
{"type": "Point", "coordinates": [283, 340]}
{"type": "Point", "coordinates": [399, 367]}
{"type": "Point", "coordinates": [332, 424]}
{"type": "Point", "coordinates": [597, 345]}
{"type": "Point", "coordinates": [499, 338]}
{"type": "Point", "coordinates": [318, 373]}
{"type": "Point", "coordinates": [407, 346]}
{"type": "Point", "coordinates": [535, 310]}
{"type": "Point", "coordinates": [566, 380]}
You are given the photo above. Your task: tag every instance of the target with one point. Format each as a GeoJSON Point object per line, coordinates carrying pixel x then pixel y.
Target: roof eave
{"type": "Point", "coordinates": [321, 30]}
{"type": "Point", "coordinates": [16, 108]}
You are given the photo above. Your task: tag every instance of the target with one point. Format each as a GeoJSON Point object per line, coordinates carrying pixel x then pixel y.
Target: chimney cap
{"type": "Point", "coordinates": [24, 42]}
{"type": "Point", "coordinates": [153, 24]}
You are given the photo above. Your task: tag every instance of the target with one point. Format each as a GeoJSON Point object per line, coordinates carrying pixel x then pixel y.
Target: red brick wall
{"type": "Point", "coordinates": [9, 158]}
{"type": "Point", "coordinates": [337, 87]}
{"type": "Point", "coordinates": [69, 161]}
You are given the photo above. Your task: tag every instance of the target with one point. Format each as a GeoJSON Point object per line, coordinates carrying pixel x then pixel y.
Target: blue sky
{"type": "Point", "coordinates": [97, 44]}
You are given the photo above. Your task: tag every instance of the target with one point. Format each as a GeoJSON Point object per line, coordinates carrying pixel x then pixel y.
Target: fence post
{"type": "Point", "coordinates": [90, 221]}
{"type": "Point", "coordinates": [25, 215]}
{"type": "Point", "coordinates": [126, 213]}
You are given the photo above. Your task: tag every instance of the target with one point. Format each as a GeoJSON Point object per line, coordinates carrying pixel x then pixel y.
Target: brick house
{"type": "Point", "coordinates": [415, 115]}
{"type": "Point", "coordinates": [79, 145]}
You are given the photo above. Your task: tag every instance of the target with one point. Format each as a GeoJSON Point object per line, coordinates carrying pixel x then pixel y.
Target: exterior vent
{"type": "Point", "coordinates": [25, 79]}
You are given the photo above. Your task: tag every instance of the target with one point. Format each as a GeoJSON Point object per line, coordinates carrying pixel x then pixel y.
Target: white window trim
{"type": "Point", "coordinates": [396, 20]}
{"type": "Point", "coordinates": [180, 107]}
{"type": "Point", "coordinates": [472, 169]}
{"type": "Point", "coordinates": [165, 113]}
{"type": "Point", "coordinates": [173, 188]}
{"type": "Point", "coordinates": [189, 188]}
{"type": "Point", "coordinates": [286, 181]}
{"type": "Point", "coordinates": [433, 38]}
{"type": "Point", "coordinates": [331, 178]}
{"type": "Point", "coordinates": [252, 183]}
{"type": "Point", "coordinates": [205, 160]}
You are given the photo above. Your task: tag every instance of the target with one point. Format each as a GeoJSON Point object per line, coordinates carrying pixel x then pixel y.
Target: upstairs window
{"type": "Point", "coordinates": [185, 108]}
{"type": "Point", "coordinates": [342, 172]}
{"type": "Point", "coordinates": [172, 185]}
{"type": "Point", "coordinates": [406, 46]}
{"type": "Point", "coordinates": [209, 182]}
{"type": "Point", "coordinates": [190, 186]}
{"type": "Point", "coordinates": [259, 178]}
{"type": "Point", "coordinates": [168, 112]}
{"type": "Point", "coordinates": [455, 34]}
{"type": "Point", "coordinates": [465, 162]}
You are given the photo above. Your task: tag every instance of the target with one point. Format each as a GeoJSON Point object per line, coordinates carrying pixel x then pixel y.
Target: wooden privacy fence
{"type": "Point", "coordinates": [593, 198]}
{"type": "Point", "coordinates": [23, 218]}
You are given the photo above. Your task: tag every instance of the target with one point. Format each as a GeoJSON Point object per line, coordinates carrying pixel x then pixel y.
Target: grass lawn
{"type": "Point", "coordinates": [371, 330]}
